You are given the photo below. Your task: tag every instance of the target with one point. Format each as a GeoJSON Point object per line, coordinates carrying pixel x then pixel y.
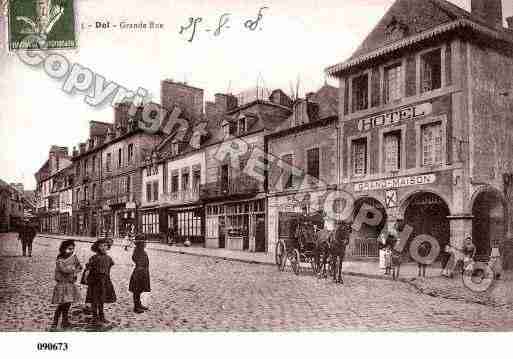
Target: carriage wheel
{"type": "Point", "coordinates": [295, 261]}
{"type": "Point", "coordinates": [280, 255]}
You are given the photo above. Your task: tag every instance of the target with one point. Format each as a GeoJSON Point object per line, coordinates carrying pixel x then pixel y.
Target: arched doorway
{"type": "Point", "coordinates": [365, 241]}
{"type": "Point", "coordinates": [426, 213]}
{"type": "Point", "coordinates": [488, 225]}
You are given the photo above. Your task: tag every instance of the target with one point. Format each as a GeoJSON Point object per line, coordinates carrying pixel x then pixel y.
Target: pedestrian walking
{"type": "Point", "coordinates": [26, 235]}
{"type": "Point", "coordinates": [140, 279]}
{"type": "Point", "coordinates": [99, 285]}
{"type": "Point", "coordinates": [66, 292]}
{"type": "Point", "coordinates": [445, 256]}
{"type": "Point", "coordinates": [388, 259]}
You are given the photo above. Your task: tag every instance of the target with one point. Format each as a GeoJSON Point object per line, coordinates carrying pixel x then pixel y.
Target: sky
{"type": "Point", "coordinates": [295, 39]}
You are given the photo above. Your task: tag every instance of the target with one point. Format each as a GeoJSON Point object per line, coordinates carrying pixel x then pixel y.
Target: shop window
{"type": "Point", "coordinates": [150, 223]}
{"type": "Point", "coordinates": [174, 184]}
{"type": "Point", "coordinates": [359, 154]}
{"type": "Point", "coordinates": [185, 181]}
{"type": "Point", "coordinates": [312, 162]}
{"type": "Point", "coordinates": [287, 174]}
{"type": "Point", "coordinates": [392, 151]}
{"type": "Point", "coordinates": [431, 71]}
{"type": "Point", "coordinates": [361, 93]}
{"type": "Point", "coordinates": [393, 83]}
{"type": "Point", "coordinates": [432, 144]}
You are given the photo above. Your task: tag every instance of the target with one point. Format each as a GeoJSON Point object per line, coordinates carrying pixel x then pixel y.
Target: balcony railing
{"type": "Point", "coordinates": [239, 186]}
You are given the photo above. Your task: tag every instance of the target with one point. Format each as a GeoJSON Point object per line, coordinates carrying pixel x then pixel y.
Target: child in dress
{"type": "Point", "coordinates": [67, 267]}
{"type": "Point", "coordinates": [140, 279]}
{"type": "Point", "coordinates": [100, 289]}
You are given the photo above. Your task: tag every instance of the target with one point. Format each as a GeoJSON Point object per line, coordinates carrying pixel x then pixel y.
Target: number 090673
{"type": "Point", "coordinates": [52, 346]}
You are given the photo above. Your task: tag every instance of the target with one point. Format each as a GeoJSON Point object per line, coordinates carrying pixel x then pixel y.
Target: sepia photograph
{"type": "Point", "coordinates": [214, 169]}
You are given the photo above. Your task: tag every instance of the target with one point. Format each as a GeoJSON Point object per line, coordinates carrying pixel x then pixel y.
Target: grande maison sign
{"type": "Point", "coordinates": [395, 182]}
{"type": "Point", "coordinates": [395, 116]}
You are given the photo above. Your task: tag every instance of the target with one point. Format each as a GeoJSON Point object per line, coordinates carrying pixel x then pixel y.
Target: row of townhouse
{"type": "Point", "coordinates": [419, 129]}
{"type": "Point", "coordinates": [12, 206]}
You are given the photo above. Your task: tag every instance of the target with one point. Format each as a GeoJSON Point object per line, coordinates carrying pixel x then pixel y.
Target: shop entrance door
{"type": "Point", "coordinates": [260, 233]}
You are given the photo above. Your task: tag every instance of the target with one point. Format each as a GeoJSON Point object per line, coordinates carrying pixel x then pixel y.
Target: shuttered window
{"type": "Point", "coordinates": [432, 144]}
{"type": "Point", "coordinates": [359, 157]}
{"type": "Point", "coordinates": [393, 83]}
{"type": "Point", "coordinates": [392, 151]}
{"type": "Point", "coordinates": [360, 93]}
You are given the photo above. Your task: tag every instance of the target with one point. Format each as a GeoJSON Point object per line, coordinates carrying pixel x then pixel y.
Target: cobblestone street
{"type": "Point", "coordinates": [197, 293]}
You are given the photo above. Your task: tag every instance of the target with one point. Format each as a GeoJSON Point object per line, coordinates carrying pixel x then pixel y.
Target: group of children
{"type": "Point", "coordinates": [96, 276]}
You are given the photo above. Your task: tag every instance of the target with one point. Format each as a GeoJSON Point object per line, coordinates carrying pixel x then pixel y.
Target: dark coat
{"type": "Point", "coordinates": [27, 234]}
{"type": "Point", "coordinates": [99, 285]}
{"type": "Point", "coordinates": [140, 279]}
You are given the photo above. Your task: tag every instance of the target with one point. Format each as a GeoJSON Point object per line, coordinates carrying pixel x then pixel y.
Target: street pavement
{"type": "Point", "coordinates": [191, 293]}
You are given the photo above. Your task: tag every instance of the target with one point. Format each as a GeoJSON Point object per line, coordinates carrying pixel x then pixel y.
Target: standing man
{"type": "Point", "coordinates": [26, 234]}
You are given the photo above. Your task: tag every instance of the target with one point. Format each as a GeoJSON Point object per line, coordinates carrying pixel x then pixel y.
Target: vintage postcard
{"type": "Point", "coordinates": [278, 166]}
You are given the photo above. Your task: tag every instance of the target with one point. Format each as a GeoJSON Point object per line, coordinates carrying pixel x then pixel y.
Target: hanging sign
{"type": "Point", "coordinates": [395, 116]}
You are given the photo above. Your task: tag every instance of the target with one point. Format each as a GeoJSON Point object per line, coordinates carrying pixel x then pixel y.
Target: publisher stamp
{"type": "Point", "coordinates": [51, 21]}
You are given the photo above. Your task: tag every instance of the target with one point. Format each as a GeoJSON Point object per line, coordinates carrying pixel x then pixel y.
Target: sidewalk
{"type": "Point", "coordinates": [500, 294]}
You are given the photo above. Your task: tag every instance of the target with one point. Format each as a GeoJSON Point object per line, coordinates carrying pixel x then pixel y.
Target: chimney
{"type": "Point", "coordinates": [225, 102]}
{"type": "Point", "coordinates": [490, 11]}
{"type": "Point", "coordinates": [121, 111]}
{"type": "Point", "coordinates": [509, 20]}
{"type": "Point", "coordinates": [188, 98]}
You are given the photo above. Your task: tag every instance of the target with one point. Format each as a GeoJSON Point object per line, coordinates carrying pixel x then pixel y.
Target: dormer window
{"type": "Point", "coordinates": [431, 71]}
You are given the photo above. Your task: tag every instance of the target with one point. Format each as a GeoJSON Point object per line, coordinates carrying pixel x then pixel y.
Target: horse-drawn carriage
{"type": "Point", "coordinates": [307, 242]}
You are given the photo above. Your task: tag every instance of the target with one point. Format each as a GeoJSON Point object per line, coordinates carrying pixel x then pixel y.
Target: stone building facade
{"type": "Point", "coordinates": [12, 207]}
{"type": "Point", "coordinates": [235, 202]}
{"type": "Point", "coordinates": [307, 141]}
{"type": "Point", "coordinates": [424, 108]}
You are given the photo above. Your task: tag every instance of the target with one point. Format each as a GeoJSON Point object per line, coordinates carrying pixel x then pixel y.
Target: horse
{"type": "Point", "coordinates": [338, 244]}
{"type": "Point", "coordinates": [322, 251]}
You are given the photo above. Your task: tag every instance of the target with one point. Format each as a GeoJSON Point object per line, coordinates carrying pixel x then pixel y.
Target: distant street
{"type": "Point", "coordinates": [195, 293]}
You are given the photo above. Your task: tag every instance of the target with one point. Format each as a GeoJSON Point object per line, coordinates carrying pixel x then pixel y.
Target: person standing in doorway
{"type": "Point", "coordinates": [140, 279]}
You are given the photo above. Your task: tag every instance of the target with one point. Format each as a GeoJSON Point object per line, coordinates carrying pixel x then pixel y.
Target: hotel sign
{"type": "Point", "coordinates": [395, 183]}
{"type": "Point", "coordinates": [392, 117]}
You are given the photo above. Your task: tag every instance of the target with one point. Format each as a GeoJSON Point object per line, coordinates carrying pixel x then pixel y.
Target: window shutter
{"type": "Point", "coordinates": [448, 72]}
{"type": "Point", "coordinates": [411, 76]}
{"type": "Point", "coordinates": [155, 191]}
{"type": "Point", "coordinates": [148, 192]}
{"type": "Point", "coordinates": [346, 97]}
{"type": "Point", "coordinates": [375, 94]}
